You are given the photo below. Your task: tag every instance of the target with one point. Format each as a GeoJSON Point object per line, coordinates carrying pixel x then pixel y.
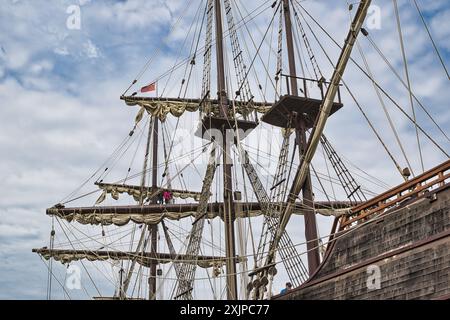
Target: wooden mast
{"type": "Point", "coordinates": [301, 175]}
{"type": "Point", "coordinates": [300, 131]}
{"type": "Point", "coordinates": [154, 228]}
{"type": "Point", "coordinates": [229, 214]}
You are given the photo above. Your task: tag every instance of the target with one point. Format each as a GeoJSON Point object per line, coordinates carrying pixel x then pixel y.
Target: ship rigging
{"type": "Point", "coordinates": [231, 234]}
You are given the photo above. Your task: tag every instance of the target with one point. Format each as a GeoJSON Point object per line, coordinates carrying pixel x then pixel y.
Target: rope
{"type": "Point", "coordinates": [335, 234]}
{"type": "Point", "coordinates": [194, 21]}
{"type": "Point", "coordinates": [238, 25]}
{"type": "Point", "coordinates": [53, 275]}
{"type": "Point", "coordinates": [192, 63]}
{"type": "Point", "coordinates": [157, 51]}
{"type": "Point", "coordinates": [379, 87]}
{"type": "Point", "coordinates": [397, 166]}
{"type": "Point", "coordinates": [334, 180]}
{"type": "Point", "coordinates": [383, 56]}
{"type": "Point", "coordinates": [255, 74]}
{"type": "Point", "coordinates": [84, 267]}
{"type": "Point", "coordinates": [50, 269]}
{"type": "Point", "coordinates": [383, 105]}
{"type": "Point", "coordinates": [431, 38]}
{"type": "Point", "coordinates": [259, 47]}
{"type": "Point", "coordinates": [325, 158]}
{"type": "Point", "coordinates": [148, 170]}
{"type": "Point", "coordinates": [405, 63]}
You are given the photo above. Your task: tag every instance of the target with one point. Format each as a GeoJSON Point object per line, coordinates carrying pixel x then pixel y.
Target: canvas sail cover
{"type": "Point", "coordinates": [161, 108]}
{"type": "Point", "coordinates": [144, 259]}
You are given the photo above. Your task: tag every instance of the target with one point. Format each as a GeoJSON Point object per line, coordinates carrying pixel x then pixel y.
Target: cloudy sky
{"type": "Point", "coordinates": [61, 115]}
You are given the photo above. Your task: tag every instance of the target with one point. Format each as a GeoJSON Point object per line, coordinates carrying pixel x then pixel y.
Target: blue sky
{"type": "Point", "coordinates": [61, 114]}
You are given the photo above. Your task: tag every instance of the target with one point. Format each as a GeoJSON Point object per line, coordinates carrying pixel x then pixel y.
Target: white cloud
{"type": "Point", "coordinates": [91, 50]}
{"type": "Point", "coordinates": [61, 117]}
{"type": "Point", "coordinates": [439, 29]}
{"type": "Point", "coordinates": [41, 66]}
{"type": "Point", "coordinates": [61, 51]}
{"type": "Point", "coordinates": [135, 14]}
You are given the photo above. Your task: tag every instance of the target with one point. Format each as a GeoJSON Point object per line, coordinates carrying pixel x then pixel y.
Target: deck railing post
{"type": "Point", "coordinates": [304, 88]}
{"type": "Point", "coordinates": [287, 85]}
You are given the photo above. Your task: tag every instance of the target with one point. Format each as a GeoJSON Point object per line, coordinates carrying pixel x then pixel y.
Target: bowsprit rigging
{"type": "Point", "coordinates": [196, 207]}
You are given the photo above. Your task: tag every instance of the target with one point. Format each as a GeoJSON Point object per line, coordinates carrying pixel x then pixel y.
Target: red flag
{"type": "Point", "coordinates": [150, 87]}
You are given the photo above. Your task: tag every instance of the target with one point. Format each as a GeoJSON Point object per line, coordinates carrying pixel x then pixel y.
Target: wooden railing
{"type": "Point", "coordinates": [427, 181]}
{"type": "Point", "coordinates": [321, 85]}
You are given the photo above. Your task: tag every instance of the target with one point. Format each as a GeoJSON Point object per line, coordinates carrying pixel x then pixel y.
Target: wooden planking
{"type": "Point", "coordinates": [411, 246]}
{"type": "Point", "coordinates": [432, 178]}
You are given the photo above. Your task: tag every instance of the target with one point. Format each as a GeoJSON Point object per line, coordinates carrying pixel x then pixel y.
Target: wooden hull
{"type": "Point", "coordinates": [409, 246]}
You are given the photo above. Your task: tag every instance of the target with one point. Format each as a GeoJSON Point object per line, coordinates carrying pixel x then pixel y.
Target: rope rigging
{"type": "Point", "coordinates": [386, 61]}
{"type": "Point", "coordinates": [384, 108]}
{"type": "Point", "coordinates": [195, 22]}
{"type": "Point", "coordinates": [245, 93]}
{"type": "Point", "coordinates": [279, 69]}
{"type": "Point", "coordinates": [431, 38]}
{"type": "Point", "coordinates": [334, 181]}
{"type": "Point", "coordinates": [352, 189]}
{"type": "Point", "coordinates": [263, 90]}
{"type": "Point", "coordinates": [265, 254]}
{"type": "Point", "coordinates": [50, 263]}
{"type": "Point", "coordinates": [157, 50]}
{"type": "Point", "coordinates": [295, 269]}
{"type": "Point", "coordinates": [352, 95]}
{"type": "Point", "coordinates": [206, 80]}
{"type": "Point", "coordinates": [187, 271]}
{"type": "Point", "coordinates": [258, 49]}
{"type": "Point", "coordinates": [249, 17]}
{"type": "Point", "coordinates": [374, 82]}
{"type": "Point", "coordinates": [408, 81]}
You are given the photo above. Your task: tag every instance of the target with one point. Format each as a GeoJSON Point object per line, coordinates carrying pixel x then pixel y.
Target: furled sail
{"type": "Point", "coordinates": [137, 191]}
{"type": "Point", "coordinates": [153, 213]}
{"type": "Point", "coordinates": [161, 107]}
{"type": "Point", "coordinates": [144, 258]}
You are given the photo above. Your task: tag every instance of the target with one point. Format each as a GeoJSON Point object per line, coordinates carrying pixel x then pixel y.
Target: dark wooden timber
{"type": "Point", "coordinates": [301, 127]}
{"type": "Point", "coordinates": [211, 126]}
{"type": "Point", "coordinates": [258, 270]}
{"type": "Point", "coordinates": [187, 100]}
{"type": "Point", "coordinates": [411, 188]}
{"type": "Point", "coordinates": [312, 243]}
{"type": "Point", "coordinates": [290, 47]}
{"type": "Point", "coordinates": [183, 293]}
{"type": "Point", "coordinates": [147, 189]}
{"type": "Point", "coordinates": [229, 213]}
{"type": "Point", "coordinates": [154, 228]}
{"type": "Point", "coordinates": [410, 244]}
{"type": "Point", "coordinates": [288, 104]}
{"type": "Point", "coordinates": [158, 209]}
{"type": "Point", "coordinates": [150, 257]}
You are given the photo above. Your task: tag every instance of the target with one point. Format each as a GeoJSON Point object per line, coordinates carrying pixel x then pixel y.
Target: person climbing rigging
{"type": "Point", "coordinates": [167, 195]}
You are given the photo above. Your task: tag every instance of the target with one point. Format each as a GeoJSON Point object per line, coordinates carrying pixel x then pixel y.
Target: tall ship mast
{"type": "Point", "coordinates": [216, 222]}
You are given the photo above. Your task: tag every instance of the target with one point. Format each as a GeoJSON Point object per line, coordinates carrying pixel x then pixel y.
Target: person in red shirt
{"type": "Point", "coordinates": [167, 195]}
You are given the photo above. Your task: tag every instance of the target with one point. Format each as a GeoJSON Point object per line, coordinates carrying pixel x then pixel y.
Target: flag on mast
{"type": "Point", "coordinates": [149, 88]}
